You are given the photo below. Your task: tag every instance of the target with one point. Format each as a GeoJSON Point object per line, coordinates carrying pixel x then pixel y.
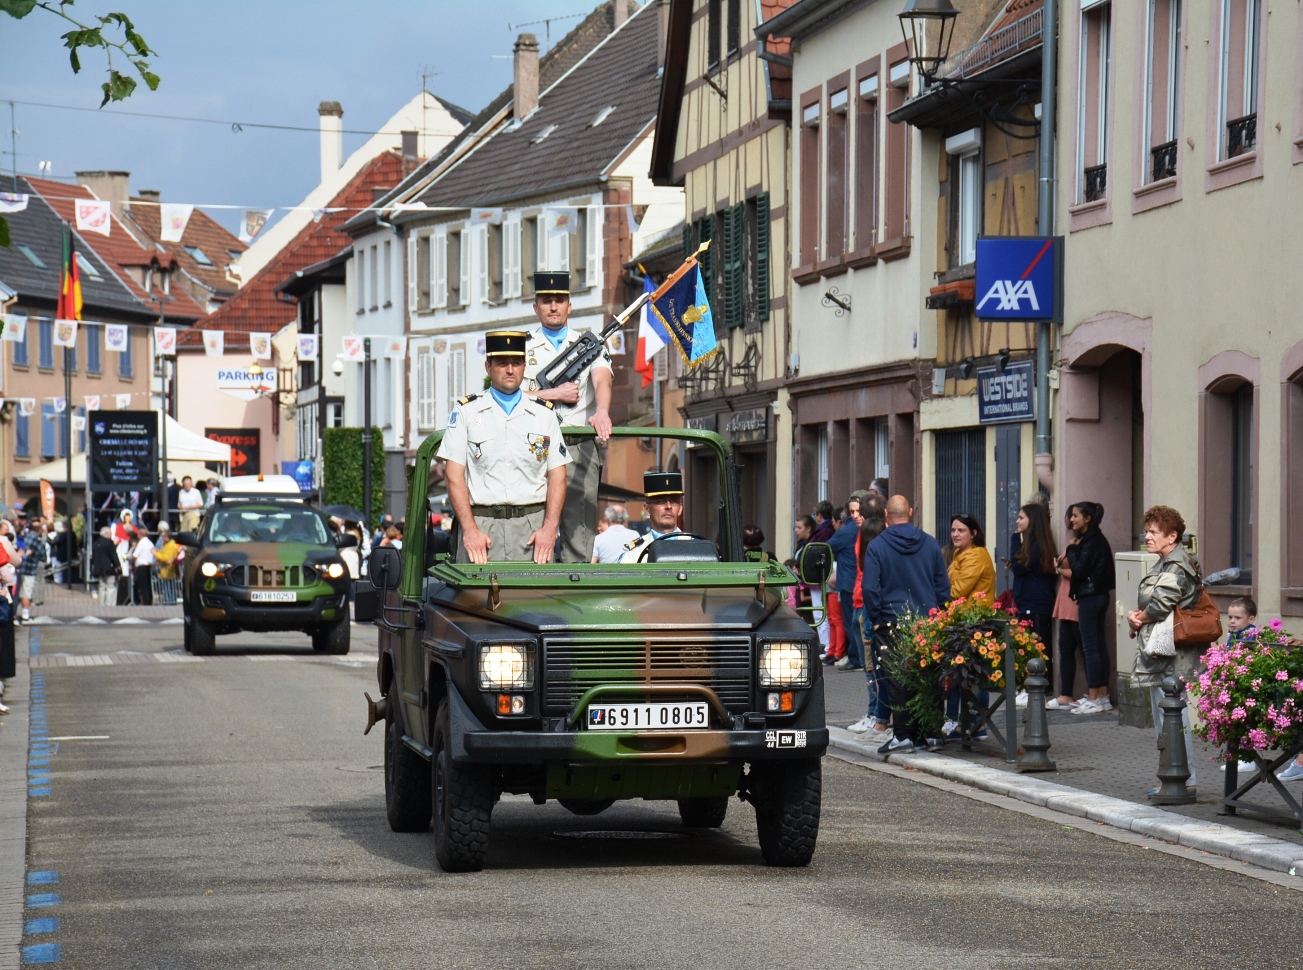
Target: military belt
{"type": "Point", "coordinates": [507, 511]}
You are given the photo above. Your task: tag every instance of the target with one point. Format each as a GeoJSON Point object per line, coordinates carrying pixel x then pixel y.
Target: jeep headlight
{"type": "Point", "coordinates": [784, 664]}
{"type": "Point", "coordinates": [212, 569]}
{"type": "Point", "coordinates": [335, 570]}
{"type": "Point", "coordinates": [506, 666]}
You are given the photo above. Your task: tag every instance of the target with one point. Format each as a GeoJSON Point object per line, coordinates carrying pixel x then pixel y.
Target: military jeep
{"type": "Point", "coordinates": [686, 678]}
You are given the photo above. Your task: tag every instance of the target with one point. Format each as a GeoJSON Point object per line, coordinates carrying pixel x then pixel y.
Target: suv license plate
{"type": "Point", "coordinates": [273, 596]}
{"type": "Point", "coordinates": [625, 717]}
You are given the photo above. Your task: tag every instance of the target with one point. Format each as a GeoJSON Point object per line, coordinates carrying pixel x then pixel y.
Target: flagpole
{"type": "Point", "coordinates": [67, 399]}
{"type": "Point", "coordinates": [162, 481]}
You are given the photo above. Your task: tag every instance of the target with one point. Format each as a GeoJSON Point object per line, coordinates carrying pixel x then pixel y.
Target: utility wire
{"type": "Point", "coordinates": [235, 126]}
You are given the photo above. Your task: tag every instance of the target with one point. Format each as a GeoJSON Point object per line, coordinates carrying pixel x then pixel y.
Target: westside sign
{"type": "Point", "coordinates": [1019, 278]}
{"type": "Point", "coordinates": [123, 449]}
{"type": "Point", "coordinates": [1010, 396]}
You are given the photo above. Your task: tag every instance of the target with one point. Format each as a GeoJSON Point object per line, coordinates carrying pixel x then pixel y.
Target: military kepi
{"type": "Point", "coordinates": [551, 283]}
{"type": "Point", "coordinates": [505, 343]}
{"type": "Point", "coordinates": [662, 483]}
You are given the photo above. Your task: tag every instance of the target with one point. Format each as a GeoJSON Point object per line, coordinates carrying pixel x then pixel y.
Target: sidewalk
{"type": "Point", "coordinates": [1093, 754]}
{"type": "Point", "coordinates": [67, 605]}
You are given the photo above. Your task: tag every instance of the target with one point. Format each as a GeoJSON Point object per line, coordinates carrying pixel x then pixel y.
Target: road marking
{"type": "Point", "coordinates": [42, 899]}
{"type": "Point", "coordinates": [42, 953]}
{"type": "Point", "coordinates": [47, 924]}
{"type": "Point", "coordinates": [42, 877]}
{"type": "Point", "coordinates": [81, 737]}
{"type": "Point", "coordinates": [126, 657]}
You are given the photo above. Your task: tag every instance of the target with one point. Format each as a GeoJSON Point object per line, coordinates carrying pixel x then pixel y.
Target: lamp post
{"type": "Point", "coordinates": [915, 19]}
{"type": "Point", "coordinates": [366, 432]}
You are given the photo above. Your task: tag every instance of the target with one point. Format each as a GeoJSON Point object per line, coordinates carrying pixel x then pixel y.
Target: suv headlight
{"type": "Point", "coordinates": [506, 666]}
{"type": "Point", "coordinates": [335, 570]}
{"type": "Point", "coordinates": [784, 664]}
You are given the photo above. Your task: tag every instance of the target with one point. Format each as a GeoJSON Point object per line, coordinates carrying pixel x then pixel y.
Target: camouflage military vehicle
{"type": "Point", "coordinates": [684, 678]}
{"type": "Point", "coordinates": [264, 560]}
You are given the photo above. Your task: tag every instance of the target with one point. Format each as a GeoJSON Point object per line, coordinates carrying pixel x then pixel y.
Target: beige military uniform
{"type": "Point", "coordinates": [583, 477]}
{"type": "Point", "coordinates": [634, 547]}
{"type": "Point", "coordinates": [507, 458]}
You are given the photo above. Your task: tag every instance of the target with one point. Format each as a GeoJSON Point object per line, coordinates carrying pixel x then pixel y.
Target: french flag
{"type": "Point", "coordinates": [651, 335]}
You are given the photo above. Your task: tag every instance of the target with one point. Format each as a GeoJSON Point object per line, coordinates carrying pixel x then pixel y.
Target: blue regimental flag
{"type": "Point", "coordinates": [684, 311]}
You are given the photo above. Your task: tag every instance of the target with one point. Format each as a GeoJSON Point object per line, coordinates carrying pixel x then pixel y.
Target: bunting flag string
{"type": "Point", "coordinates": [214, 342]}
{"type": "Point", "coordinates": [173, 218]}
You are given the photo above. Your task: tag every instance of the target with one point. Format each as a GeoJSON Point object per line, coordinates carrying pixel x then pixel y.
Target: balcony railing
{"type": "Point", "coordinates": [1096, 179]}
{"type": "Point", "coordinates": [1241, 135]}
{"type": "Point", "coordinates": [1163, 161]}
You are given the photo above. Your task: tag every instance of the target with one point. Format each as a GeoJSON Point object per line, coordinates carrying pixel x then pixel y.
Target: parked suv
{"type": "Point", "coordinates": [264, 560]}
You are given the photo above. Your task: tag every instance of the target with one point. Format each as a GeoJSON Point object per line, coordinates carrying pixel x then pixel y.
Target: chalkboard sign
{"type": "Point", "coordinates": [123, 451]}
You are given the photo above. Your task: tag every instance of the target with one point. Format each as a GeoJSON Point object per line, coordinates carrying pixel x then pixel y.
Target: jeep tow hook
{"type": "Point", "coordinates": [375, 711]}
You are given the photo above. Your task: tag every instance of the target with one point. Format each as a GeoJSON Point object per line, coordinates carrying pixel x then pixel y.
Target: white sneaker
{"type": "Point", "coordinates": [26, 617]}
{"type": "Point", "coordinates": [949, 728]}
{"type": "Point", "coordinates": [1104, 704]}
{"type": "Point", "coordinates": [1088, 707]}
{"type": "Point", "coordinates": [843, 663]}
{"type": "Point", "coordinates": [878, 734]}
{"type": "Point", "coordinates": [1247, 766]}
{"type": "Point", "coordinates": [861, 726]}
{"type": "Point", "coordinates": [1053, 705]}
{"type": "Point", "coordinates": [1020, 699]}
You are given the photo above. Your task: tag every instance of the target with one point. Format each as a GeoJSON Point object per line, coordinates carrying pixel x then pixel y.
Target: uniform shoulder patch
{"type": "Point", "coordinates": [633, 544]}
{"type": "Point", "coordinates": [467, 399]}
{"type": "Point", "coordinates": [547, 404]}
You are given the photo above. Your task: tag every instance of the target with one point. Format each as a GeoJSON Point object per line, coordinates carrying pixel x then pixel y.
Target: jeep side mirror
{"type": "Point", "coordinates": [385, 568]}
{"type": "Point", "coordinates": [187, 539]}
{"type": "Point", "coordinates": [344, 540]}
{"type": "Point", "coordinates": [814, 565]}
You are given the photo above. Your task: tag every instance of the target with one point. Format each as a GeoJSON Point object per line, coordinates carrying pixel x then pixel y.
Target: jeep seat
{"type": "Point", "coordinates": [682, 550]}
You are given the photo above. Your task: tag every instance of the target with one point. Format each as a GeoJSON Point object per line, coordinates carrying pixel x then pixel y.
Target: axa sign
{"type": "Point", "coordinates": [1019, 278]}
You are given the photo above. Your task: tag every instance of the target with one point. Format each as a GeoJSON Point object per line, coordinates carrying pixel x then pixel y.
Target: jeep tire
{"type": "Point", "coordinates": [202, 638]}
{"type": "Point", "coordinates": [407, 777]}
{"type": "Point", "coordinates": [787, 795]}
{"type": "Point", "coordinates": [331, 637]}
{"type": "Point", "coordinates": [703, 813]}
{"type": "Point", "coordinates": [463, 804]}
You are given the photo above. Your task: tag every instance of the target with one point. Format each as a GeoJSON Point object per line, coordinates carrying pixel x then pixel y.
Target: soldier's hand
{"type": "Point", "coordinates": [601, 422]}
{"type": "Point", "coordinates": [544, 541]}
{"type": "Point", "coordinates": [477, 544]}
{"type": "Point", "coordinates": [567, 393]}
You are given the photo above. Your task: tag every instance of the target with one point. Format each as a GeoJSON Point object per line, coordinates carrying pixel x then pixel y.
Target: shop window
{"type": "Point", "coordinates": [811, 189]}
{"type": "Point", "coordinates": [866, 161]}
{"type": "Point", "coordinates": [960, 477]}
{"type": "Point", "coordinates": [1093, 103]}
{"type": "Point", "coordinates": [1238, 57]}
{"type": "Point", "coordinates": [835, 169]}
{"type": "Point", "coordinates": [1162, 89]}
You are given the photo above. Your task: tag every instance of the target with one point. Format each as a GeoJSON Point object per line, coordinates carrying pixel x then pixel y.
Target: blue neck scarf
{"type": "Point", "coordinates": [507, 402]}
{"type": "Point", "coordinates": [557, 338]}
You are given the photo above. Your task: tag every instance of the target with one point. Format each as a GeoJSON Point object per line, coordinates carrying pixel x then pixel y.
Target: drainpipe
{"type": "Point", "coordinates": [1044, 459]}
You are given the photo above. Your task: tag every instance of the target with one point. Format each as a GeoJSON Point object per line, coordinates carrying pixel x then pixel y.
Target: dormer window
{"type": "Point", "coordinates": [87, 267]}
{"type": "Point", "coordinates": [198, 255]}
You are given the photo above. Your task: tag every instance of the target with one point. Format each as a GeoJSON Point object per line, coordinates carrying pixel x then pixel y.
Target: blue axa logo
{"type": "Point", "coordinates": [1010, 293]}
{"type": "Point", "coordinates": [99, 427]}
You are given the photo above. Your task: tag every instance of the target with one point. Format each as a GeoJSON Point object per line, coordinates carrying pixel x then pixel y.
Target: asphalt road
{"type": "Point", "coordinates": [234, 817]}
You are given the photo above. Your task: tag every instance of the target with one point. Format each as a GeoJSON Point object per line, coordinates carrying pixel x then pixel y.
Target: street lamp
{"type": "Point", "coordinates": [914, 22]}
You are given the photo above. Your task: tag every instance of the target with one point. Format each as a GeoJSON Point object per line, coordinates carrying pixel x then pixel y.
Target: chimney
{"type": "Point", "coordinates": [151, 195]}
{"type": "Point", "coordinates": [620, 12]}
{"type": "Point", "coordinates": [332, 138]}
{"type": "Point", "coordinates": [524, 89]}
{"type": "Point", "coordinates": [409, 145]}
{"type": "Point", "coordinates": [113, 186]}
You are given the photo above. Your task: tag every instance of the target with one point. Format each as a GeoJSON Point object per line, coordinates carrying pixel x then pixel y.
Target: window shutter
{"type": "Point", "coordinates": [566, 240]}
{"type": "Point", "coordinates": [359, 277]}
{"type": "Point", "coordinates": [424, 389]}
{"type": "Point", "coordinates": [413, 276]}
{"type": "Point", "coordinates": [439, 266]}
{"type": "Point", "coordinates": [456, 376]}
{"type": "Point", "coordinates": [482, 258]}
{"type": "Point", "coordinates": [734, 265]}
{"type": "Point", "coordinates": [464, 290]}
{"type": "Point", "coordinates": [762, 256]}
{"type": "Point", "coordinates": [542, 260]}
{"type": "Point", "coordinates": [687, 240]}
{"type": "Point", "coordinates": [511, 257]}
{"type": "Point", "coordinates": [594, 243]}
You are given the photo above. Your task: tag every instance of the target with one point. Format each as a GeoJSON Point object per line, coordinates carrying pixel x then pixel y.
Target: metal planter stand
{"type": "Point", "coordinates": [1234, 792]}
{"type": "Point", "coordinates": [974, 715]}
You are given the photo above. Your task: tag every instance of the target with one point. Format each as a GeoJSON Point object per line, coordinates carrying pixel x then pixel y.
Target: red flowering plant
{"type": "Point", "coordinates": [1250, 693]}
{"type": "Point", "coordinates": [958, 647]}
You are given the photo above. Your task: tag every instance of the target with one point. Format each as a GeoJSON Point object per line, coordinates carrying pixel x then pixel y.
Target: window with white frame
{"type": "Point", "coordinates": [455, 261]}
{"type": "Point", "coordinates": [822, 446]}
{"type": "Point", "coordinates": [359, 279]}
{"type": "Point", "coordinates": [1162, 89]}
{"type": "Point", "coordinates": [965, 151]}
{"type": "Point", "coordinates": [1237, 113]}
{"type": "Point", "coordinates": [375, 277]}
{"type": "Point", "coordinates": [1093, 102]}
{"type": "Point", "coordinates": [389, 273]}
{"type": "Point", "coordinates": [422, 272]}
{"type": "Point", "coordinates": [881, 448]}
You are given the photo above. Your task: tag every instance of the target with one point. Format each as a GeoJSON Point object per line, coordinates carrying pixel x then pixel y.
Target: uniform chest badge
{"type": "Point", "coordinates": [539, 445]}
{"type": "Point", "coordinates": [533, 362]}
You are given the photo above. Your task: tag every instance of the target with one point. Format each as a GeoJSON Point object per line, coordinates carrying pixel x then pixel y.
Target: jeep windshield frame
{"type": "Point", "coordinates": [264, 510]}
{"type": "Point", "coordinates": [734, 571]}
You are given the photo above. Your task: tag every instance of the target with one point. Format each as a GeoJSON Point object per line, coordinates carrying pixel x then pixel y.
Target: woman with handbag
{"type": "Point", "coordinates": [1173, 585]}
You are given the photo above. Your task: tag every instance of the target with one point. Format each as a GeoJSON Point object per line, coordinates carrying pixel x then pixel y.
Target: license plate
{"type": "Point", "coordinates": [626, 717]}
{"type": "Point", "coordinates": [273, 596]}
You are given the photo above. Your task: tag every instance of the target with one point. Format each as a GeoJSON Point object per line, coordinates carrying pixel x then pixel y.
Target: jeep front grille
{"type": "Point", "coordinates": [272, 577]}
{"type": "Point", "coordinates": [571, 665]}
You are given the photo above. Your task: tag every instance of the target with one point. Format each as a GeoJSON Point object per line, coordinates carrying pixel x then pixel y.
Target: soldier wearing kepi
{"type": "Point", "coordinates": [586, 401]}
{"type": "Point", "coordinates": [506, 463]}
{"type": "Point", "coordinates": [664, 491]}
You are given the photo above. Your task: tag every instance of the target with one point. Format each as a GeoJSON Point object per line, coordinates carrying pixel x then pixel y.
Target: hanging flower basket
{"type": "Point", "coordinates": [1250, 694]}
{"type": "Point", "coordinates": [958, 648]}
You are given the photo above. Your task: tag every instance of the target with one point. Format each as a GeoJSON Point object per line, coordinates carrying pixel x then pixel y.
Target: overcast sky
{"type": "Point", "coordinates": [268, 61]}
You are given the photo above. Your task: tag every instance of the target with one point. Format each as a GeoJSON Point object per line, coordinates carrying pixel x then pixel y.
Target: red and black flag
{"type": "Point", "coordinates": [69, 307]}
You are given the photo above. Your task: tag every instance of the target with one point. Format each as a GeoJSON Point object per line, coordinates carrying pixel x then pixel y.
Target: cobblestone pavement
{"type": "Point", "coordinates": [1094, 753]}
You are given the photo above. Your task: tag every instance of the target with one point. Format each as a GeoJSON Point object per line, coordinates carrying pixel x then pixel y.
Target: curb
{"type": "Point", "coordinates": [13, 809]}
{"type": "Point", "coordinates": [1250, 847]}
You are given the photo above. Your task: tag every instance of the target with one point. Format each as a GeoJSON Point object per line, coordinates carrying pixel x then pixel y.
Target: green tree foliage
{"type": "Point", "coordinates": [342, 469]}
{"type": "Point", "coordinates": [132, 46]}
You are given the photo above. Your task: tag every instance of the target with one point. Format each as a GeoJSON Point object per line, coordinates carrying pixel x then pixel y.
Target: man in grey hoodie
{"type": "Point", "coordinates": [903, 570]}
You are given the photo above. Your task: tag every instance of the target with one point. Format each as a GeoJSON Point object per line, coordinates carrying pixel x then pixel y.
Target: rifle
{"type": "Point", "coordinates": [579, 355]}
